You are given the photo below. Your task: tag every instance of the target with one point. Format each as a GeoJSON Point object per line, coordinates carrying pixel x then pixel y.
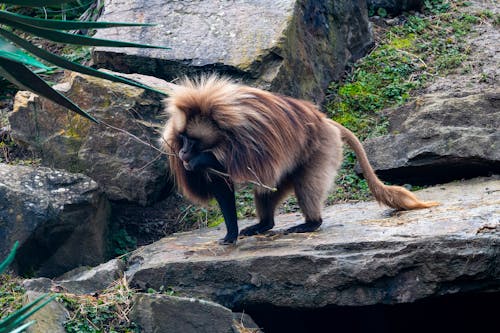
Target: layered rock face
{"type": "Point", "coordinates": [127, 169]}
{"type": "Point", "coordinates": [60, 219]}
{"type": "Point", "coordinates": [289, 46]}
{"type": "Point", "coordinates": [445, 137]}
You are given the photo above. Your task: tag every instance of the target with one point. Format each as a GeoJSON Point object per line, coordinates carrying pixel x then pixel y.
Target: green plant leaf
{"type": "Point", "coordinates": [15, 319]}
{"type": "Point", "coordinates": [26, 79]}
{"type": "Point", "coordinates": [9, 51]}
{"type": "Point", "coordinates": [63, 25]}
{"type": "Point", "coordinates": [64, 37]}
{"type": "Point", "coordinates": [9, 258]}
{"type": "Point", "coordinates": [35, 3]}
{"type": "Point", "coordinates": [73, 66]}
{"type": "Point", "coordinates": [21, 328]}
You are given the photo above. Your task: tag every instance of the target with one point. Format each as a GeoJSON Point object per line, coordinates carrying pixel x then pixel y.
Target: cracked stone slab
{"type": "Point", "coordinates": [363, 254]}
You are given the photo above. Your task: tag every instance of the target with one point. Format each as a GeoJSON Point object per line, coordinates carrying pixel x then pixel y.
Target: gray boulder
{"type": "Point", "coordinates": [81, 280]}
{"type": "Point", "coordinates": [162, 313]}
{"type": "Point", "coordinates": [152, 312]}
{"type": "Point", "coordinates": [50, 318]}
{"type": "Point", "coordinates": [362, 255]}
{"type": "Point", "coordinates": [89, 281]}
{"type": "Point", "coordinates": [59, 219]}
{"type": "Point", "coordinates": [125, 168]}
{"type": "Point", "coordinates": [445, 137]}
{"type": "Point", "coordinates": [289, 46]}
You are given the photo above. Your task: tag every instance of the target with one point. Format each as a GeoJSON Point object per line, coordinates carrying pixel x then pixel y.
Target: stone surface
{"type": "Point", "coordinates": [60, 219]}
{"type": "Point", "coordinates": [50, 318]}
{"type": "Point", "coordinates": [125, 168]}
{"type": "Point", "coordinates": [42, 285]}
{"type": "Point", "coordinates": [363, 254]}
{"type": "Point", "coordinates": [81, 280]}
{"type": "Point", "coordinates": [289, 46]}
{"type": "Point", "coordinates": [162, 313]}
{"type": "Point", "coordinates": [395, 6]}
{"type": "Point", "coordinates": [445, 137]}
{"type": "Point", "coordinates": [92, 280]}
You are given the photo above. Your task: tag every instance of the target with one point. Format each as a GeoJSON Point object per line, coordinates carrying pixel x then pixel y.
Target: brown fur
{"type": "Point", "coordinates": [276, 140]}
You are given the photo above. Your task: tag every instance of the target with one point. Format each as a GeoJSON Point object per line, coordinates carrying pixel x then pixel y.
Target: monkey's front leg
{"type": "Point", "coordinates": [223, 192]}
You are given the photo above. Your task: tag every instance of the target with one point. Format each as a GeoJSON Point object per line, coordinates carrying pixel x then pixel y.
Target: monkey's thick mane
{"type": "Point", "coordinates": [264, 132]}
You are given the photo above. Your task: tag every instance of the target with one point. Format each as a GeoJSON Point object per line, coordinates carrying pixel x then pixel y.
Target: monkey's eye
{"type": "Point", "coordinates": [183, 137]}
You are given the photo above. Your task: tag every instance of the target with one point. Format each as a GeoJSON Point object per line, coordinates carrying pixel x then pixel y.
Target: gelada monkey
{"type": "Point", "coordinates": [250, 134]}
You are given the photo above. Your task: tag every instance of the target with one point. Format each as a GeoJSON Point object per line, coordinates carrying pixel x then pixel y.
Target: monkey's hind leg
{"type": "Point", "coordinates": [311, 188]}
{"type": "Point", "coordinates": [265, 204]}
{"type": "Point", "coordinates": [311, 205]}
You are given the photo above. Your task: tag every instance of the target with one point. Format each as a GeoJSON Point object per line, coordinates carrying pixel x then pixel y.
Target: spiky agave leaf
{"type": "Point", "coordinates": [13, 61]}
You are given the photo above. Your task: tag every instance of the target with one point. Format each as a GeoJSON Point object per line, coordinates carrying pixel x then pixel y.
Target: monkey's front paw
{"type": "Point", "coordinates": [255, 229]}
{"type": "Point", "coordinates": [228, 240]}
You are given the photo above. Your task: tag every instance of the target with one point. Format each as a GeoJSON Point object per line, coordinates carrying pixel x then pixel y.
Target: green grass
{"type": "Point", "coordinates": [106, 312]}
{"type": "Point", "coordinates": [11, 294]}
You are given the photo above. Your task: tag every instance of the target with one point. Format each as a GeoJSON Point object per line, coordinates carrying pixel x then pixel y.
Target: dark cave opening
{"type": "Point", "coordinates": [473, 312]}
{"type": "Point", "coordinates": [442, 170]}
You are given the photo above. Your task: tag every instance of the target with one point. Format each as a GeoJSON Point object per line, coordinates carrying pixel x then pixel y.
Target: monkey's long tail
{"type": "Point", "coordinates": [393, 196]}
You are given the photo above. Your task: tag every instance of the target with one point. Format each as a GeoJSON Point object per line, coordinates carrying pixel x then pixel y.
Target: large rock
{"type": "Point", "coordinates": [125, 168]}
{"type": "Point", "coordinates": [60, 219]}
{"type": "Point", "coordinates": [81, 280]}
{"type": "Point", "coordinates": [50, 318]}
{"type": "Point", "coordinates": [445, 137]}
{"type": "Point", "coordinates": [162, 313]}
{"type": "Point", "coordinates": [290, 46]}
{"type": "Point", "coordinates": [361, 255]}
{"type": "Point", "coordinates": [90, 281]}
{"type": "Point", "coordinates": [152, 312]}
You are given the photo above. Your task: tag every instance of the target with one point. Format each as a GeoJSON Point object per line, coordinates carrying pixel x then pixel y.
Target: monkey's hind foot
{"type": "Point", "coordinates": [256, 229]}
{"type": "Point", "coordinates": [309, 226]}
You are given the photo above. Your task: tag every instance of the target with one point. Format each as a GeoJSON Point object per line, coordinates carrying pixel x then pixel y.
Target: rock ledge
{"type": "Point", "coordinates": [363, 254]}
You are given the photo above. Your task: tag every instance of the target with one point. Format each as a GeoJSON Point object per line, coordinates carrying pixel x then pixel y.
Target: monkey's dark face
{"type": "Point", "coordinates": [190, 148]}
{"type": "Point", "coordinates": [200, 135]}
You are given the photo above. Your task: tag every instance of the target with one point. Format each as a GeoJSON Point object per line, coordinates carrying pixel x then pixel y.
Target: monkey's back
{"type": "Point", "coordinates": [266, 136]}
